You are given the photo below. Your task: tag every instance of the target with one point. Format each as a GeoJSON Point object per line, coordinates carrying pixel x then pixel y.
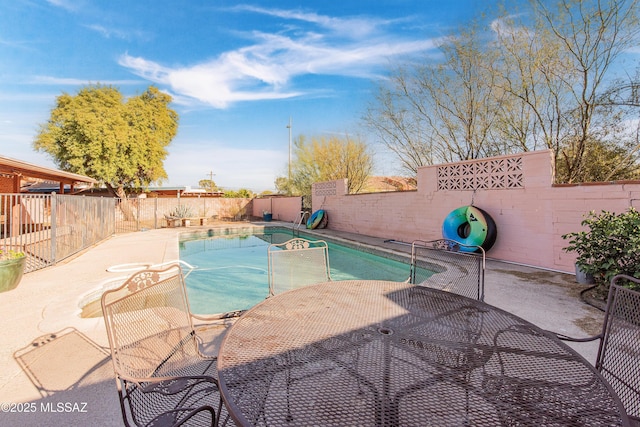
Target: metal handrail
{"type": "Point", "coordinates": [296, 225]}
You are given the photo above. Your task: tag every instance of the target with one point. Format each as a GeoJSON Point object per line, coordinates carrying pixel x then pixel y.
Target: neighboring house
{"type": "Point", "coordinates": [21, 212]}
{"type": "Point", "coordinates": [159, 192]}
{"type": "Point", "coordinates": [186, 191]}
{"type": "Point", "coordinates": [14, 174]}
{"type": "Point", "coordinates": [377, 184]}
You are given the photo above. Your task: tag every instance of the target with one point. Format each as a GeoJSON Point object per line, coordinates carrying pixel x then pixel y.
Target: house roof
{"type": "Point", "coordinates": [13, 167]}
{"type": "Point", "coordinates": [390, 183]}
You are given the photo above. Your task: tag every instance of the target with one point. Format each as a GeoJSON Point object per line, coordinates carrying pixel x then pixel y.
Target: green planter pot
{"type": "Point", "coordinates": [11, 271]}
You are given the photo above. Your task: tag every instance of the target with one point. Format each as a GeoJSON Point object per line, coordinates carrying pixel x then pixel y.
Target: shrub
{"type": "Point", "coordinates": [6, 254]}
{"type": "Point", "coordinates": [611, 245]}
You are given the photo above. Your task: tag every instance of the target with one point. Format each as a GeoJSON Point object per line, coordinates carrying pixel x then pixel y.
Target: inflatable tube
{"type": "Point", "coordinates": [315, 219]}
{"type": "Point", "coordinates": [324, 220]}
{"type": "Point", "coordinates": [470, 226]}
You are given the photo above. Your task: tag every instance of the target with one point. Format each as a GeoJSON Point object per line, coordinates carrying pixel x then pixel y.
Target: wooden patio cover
{"type": "Point", "coordinates": [17, 169]}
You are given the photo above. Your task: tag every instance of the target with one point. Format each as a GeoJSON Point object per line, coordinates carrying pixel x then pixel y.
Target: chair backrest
{"type": "Point", "coordinates": [149, 324]}
{"type": "Point", "coordinates": [448, 265]}
{"type": "Point", "coordinates": [619, 352]}
{"type": "Point", "coordinates": [297, 262]}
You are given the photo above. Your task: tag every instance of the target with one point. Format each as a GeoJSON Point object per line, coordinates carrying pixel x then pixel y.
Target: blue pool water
{"type": "Point", "coordinates": [232, 270]}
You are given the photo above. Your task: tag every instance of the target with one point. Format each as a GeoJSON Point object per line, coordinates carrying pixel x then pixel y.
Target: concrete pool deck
{"type": "Point", "coordinates": [69, 381]}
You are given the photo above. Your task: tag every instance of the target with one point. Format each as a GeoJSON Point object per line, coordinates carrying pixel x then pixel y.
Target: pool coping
{"type": "Point", "coordinates": [395, 254]}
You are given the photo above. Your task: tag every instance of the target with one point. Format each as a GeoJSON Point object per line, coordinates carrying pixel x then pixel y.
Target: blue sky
{"type": "Point", "coordinates": [237, 71]}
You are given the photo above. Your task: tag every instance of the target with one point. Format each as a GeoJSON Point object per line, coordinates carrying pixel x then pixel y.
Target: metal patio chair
{"type": "Point", "coordinates": [293, 264]}
{"type": "Point", "coordinates": [618, 357]}
{"type": "Point", "coordinates": [162, 377]}
{"type": "Point", "coordinates": [297, 262]}
{"type": "Point", "coordinates": [448, 265]}
{"type": "Point", "coordinates": [529, 373]}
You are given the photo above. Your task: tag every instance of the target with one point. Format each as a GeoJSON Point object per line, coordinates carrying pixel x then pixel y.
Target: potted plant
{"type": "Point", "coordinates": [11, 268]}
{"type": "Point", "coordinates": [609, 246]}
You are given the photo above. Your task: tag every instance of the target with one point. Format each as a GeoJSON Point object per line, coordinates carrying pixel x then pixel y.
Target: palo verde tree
{"type": "Point", "coordinates": [325, 159]}
{"type": "Point", "coordinates": [119, 142]}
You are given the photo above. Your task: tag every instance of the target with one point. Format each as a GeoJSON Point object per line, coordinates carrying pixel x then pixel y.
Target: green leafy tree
{"type": "Point", "coordinates": [326, 159]}
{"type": "Point", "coordinates": [208, 185]}
{"type": "Point", "coordinates": [283, 186]}
{"type": "Point", "coordinates": [121, 143]}
{"type": "Point", "coordinates": [241, 193]}
{"type": "Point", "coordinates": [606, 161]}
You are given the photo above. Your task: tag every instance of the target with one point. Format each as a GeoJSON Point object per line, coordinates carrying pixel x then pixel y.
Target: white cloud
{"type": "Point", "coordinates": [17, 44]}
{"type": "Point", "coordinates": [64, 4]}
{"type": "Point", "coordinates": [266, 68]}
{"type": "Point", "coordinates": [355, 27]}
{"type": "Point", "coordinates": [508, 26]}
{"type": "Point", "coordinates": [67, 81]}
{"type": "Point", "coordinates": [117, 33]}
{"type": "Point", "coordinates": [108, 32]}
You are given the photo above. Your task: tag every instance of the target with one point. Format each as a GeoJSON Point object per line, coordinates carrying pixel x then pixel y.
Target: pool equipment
{"type": "Point", "coordinates": [318, 219]}
{"type": "Point", "coordinates": [470, 226]}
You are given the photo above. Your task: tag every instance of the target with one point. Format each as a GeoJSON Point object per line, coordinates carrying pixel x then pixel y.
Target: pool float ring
{"type": "Point", "coordinates": [324, 220]}
{"type": "Point", "coordinates": [317, 220]}
{"type": "Point", "coordinates": [470, 226]}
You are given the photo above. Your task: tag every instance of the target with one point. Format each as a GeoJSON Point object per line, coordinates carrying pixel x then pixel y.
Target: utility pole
{"type": "Point", "coordinates": [211, 175]}
{"type": "Point", "coordinates": [289, 127]}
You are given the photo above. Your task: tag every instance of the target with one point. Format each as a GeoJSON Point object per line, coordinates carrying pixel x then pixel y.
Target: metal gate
{"type": "Point", "coordinates": [51, 227]}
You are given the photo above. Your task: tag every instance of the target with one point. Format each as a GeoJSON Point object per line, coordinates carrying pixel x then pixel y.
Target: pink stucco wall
{"type": "Point", "coordinates": [282, 208]}
{"type": "Point", "coordinates": [517, 191]}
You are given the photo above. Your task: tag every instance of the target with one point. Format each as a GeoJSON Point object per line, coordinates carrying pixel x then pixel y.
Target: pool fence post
{"type": "Point", "coordinates": [53, 231]}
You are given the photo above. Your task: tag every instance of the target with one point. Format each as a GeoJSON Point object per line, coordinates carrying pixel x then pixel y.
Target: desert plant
{"type": "Point", "coordinates": [182, 211]}
{"type": "Point", "coordinates": [610, 246]}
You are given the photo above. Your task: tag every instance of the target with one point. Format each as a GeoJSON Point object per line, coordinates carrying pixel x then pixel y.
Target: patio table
{"type": "Point", "coordinates": [381, 353]}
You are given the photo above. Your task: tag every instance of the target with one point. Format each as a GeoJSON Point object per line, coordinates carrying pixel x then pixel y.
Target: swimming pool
{"type": "Point", "coordinates": [232, 270]}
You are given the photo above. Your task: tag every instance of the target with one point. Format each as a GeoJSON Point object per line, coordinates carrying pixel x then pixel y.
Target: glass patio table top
{"type": "Point", "coordinates": [378, 353]}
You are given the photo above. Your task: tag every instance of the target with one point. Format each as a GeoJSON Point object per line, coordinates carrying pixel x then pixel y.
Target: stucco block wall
{"type": "Point", "coordinates": [287, 208]}
{"type": "Point", "coordinates": [260, 206]}
{"type": "Point", "coordinates": [530, 212]}
{"type": "Point", "coordinates": [282, 208]}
